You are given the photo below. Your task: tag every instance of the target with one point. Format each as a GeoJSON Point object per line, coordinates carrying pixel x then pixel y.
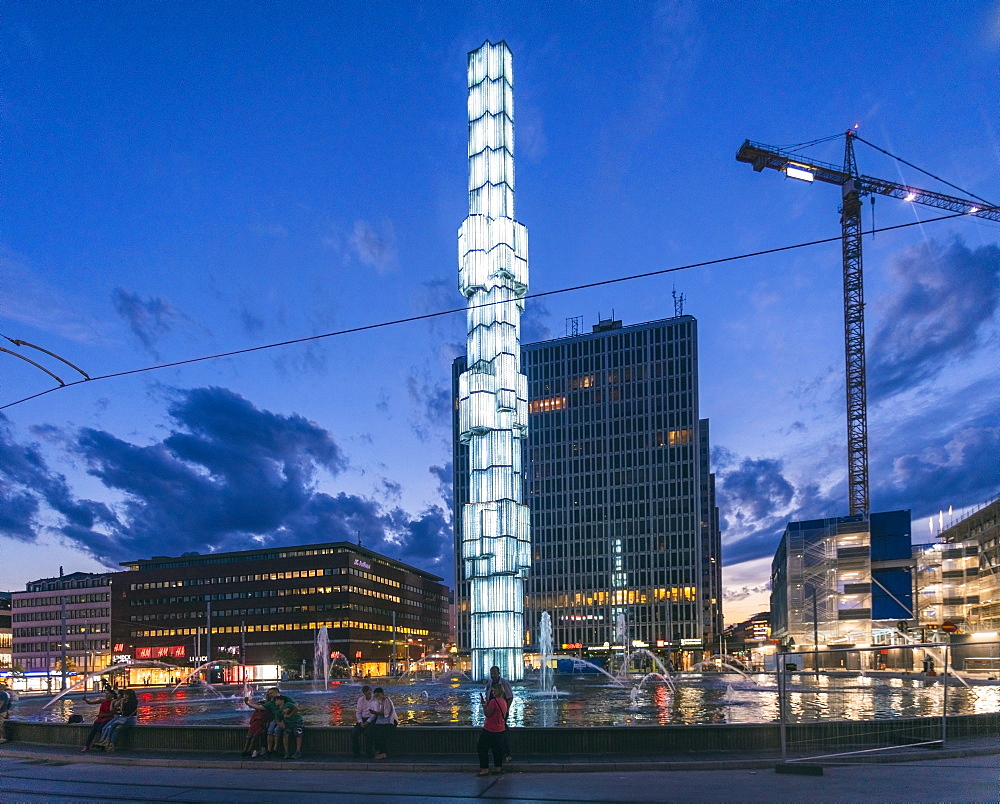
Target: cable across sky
{"type": "Point", "coordinates": [464, 309]}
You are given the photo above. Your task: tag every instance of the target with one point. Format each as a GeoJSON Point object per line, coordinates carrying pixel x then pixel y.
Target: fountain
{"type": "Point", "coordinates": [723, 660]}
{"type": "Point", "coordinates": [663, 672]}
{"type": "Point", "coordinates": [321, 659]}
{"type": "Point", "coordinates": [545, 647]}
{"type": "Point", "coordinates": [91, 676]}
{"type": "Point", "coordinates": [194, 673]}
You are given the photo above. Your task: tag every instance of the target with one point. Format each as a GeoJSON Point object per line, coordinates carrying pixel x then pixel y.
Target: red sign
{"type": "Point", "coordinates": [357, 654]}
{"type": "Point", "coordinates": [949, 627]}
{"type": "Point", "coordinates": [119, 647]}
{"type": "Point", "coordinates": [173, 651]}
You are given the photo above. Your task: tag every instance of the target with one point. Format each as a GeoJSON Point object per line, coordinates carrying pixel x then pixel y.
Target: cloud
{"type": "Point", "coordinates": [535, 322]}
{"type": "Point", "coordinates": [374, 247]}
{"type": "Point", "coordinates": [26, 483]}
{"type": "Point", "coordinates": [433, 402]}
{"type": "Point", "coordinates": [757, 499]}
{"type": "Point", "coordinates": [228, 476]}
{"type": "Point", "coordinates": [734, 595]}
{"type": "Point", "coordinates": [943, 293]}
{"type": "Point", "coordinates": [957, 465]}
{"type": "Point", "coordinates": [32, 301]}
{"type": "Point", "coordinates": [149, 320]}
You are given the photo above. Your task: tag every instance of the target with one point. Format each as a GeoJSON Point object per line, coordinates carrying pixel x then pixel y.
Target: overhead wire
{"type": "Point", "coordinates": [457, 310]}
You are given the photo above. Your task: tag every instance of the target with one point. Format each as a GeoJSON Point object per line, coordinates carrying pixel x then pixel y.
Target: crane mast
{"type": "Point", "coordinates": [853, 187]}
{"type": "Point", "coordinates": [854, 338]}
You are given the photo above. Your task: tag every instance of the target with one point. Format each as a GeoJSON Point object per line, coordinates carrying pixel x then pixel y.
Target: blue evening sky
{"type": "Point", "coordinates": [181, 179]}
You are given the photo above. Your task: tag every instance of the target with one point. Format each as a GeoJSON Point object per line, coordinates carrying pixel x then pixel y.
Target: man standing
{"type": "Point", "coordinates": [507, 693]}
{"type": "Point", "coordinates": [6, 704]}
{"type": "Point", "coordinates": [360, 738]}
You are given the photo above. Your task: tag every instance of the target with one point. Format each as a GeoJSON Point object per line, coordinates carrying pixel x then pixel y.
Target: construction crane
{"type": "Point", "coordinates": [853, 188]}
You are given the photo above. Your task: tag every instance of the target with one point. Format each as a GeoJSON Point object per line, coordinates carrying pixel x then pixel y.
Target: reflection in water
{"type": "Point", "coordinates": [582, 700]}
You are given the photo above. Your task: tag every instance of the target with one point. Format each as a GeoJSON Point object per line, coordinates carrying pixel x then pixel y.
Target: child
{"type": "Point", "coordinates": [257, 730]}
{"type": "Point", "coordinates": [292, 721]}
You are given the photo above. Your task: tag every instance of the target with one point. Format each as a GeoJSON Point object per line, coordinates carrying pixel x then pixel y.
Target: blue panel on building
{"type": "Point", "coordinates": [890, 535]}
{"type": "Point", "coordinates": [897, 602]}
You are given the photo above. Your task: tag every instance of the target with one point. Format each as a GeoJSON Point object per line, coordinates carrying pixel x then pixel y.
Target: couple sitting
{"type": "Point", "coordinates": [375, 717]}
{"type": "Point", "coordinates": [118, 711]}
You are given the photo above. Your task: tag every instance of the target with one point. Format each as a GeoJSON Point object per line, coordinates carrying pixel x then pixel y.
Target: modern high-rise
{"type": "Point", "coordinates": [624, 523]}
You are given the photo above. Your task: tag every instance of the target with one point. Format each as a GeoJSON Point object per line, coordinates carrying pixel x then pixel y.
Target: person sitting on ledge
{"type": "Point", "coordinates": [360, 736]}
{"type": "Point", "coordinates": [104, 714]}
{"type": "Point", "coordinates": [291, 721]}
{"type": "Point", "coordinates": [257, 730]}
{"type": "Point", "coordinates": [127, 718]}
{"type": "Point", "coordinates": [385, 721]}
{"type": "Point", "coordinates": [6, 705]}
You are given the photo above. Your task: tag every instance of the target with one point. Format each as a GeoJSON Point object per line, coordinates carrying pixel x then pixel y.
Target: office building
{"type": "Point", "coordinates": [262, 609]}
{"type": "Point", "coordinates": [625, 538]}
{"type": "Point", "coordinates": [69, 615]}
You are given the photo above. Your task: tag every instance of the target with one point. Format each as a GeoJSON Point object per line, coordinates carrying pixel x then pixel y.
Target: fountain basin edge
{"type": "Point", "coordinates": [531, 742]}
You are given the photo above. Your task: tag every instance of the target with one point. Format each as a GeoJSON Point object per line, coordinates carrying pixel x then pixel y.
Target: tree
{"type": "Point", "coordinates": [286, 657]}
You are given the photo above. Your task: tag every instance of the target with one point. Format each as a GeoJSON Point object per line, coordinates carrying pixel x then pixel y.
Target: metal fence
{"type": "Point", "coordinates": [864, 700]}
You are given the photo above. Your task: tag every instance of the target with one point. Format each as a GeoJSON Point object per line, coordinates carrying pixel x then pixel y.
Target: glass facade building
{"type": "Point", "coordinates": [624, 521]}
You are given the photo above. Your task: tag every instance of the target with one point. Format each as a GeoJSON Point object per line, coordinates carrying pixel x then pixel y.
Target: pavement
{"type": "Point", "coordinates": [966, 771]}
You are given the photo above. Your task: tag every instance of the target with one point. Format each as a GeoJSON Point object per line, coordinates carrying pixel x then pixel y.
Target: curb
{"type": "Point", "coordinates": [429, 766]}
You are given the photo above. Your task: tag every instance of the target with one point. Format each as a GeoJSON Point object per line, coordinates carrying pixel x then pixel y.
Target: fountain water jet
{"type": "Point", "coordinates": [321, 658]}
{"type": "Point", "coordinates": [545, 647]}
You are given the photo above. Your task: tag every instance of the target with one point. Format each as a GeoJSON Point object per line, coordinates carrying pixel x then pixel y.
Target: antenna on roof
{"type": "Point", "coordinates": [678, 302]}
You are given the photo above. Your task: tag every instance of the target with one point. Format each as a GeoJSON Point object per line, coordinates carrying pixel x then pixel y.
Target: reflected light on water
{"type": "Point", "coordinates": [580, 701]}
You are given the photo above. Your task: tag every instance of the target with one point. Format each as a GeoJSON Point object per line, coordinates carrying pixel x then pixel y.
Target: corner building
{"type": "Point", "coordinates": [380, 613]}
{"type": "Point", "coordinates": [624, 521]}
{"type": "Point", "coordinates": [68, 610]}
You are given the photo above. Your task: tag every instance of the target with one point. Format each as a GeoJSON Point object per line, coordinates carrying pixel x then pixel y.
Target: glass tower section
{"type": "Point", "coordinates": [492, 393]}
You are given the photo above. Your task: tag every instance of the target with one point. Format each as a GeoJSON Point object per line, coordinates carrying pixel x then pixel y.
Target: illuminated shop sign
{"type": "Point", "coordinates": [363, 564]}
{"type": "Point", "coordinates": [121, 658]}
{"type": "Point", "coordinates": [691, 642]}
{"type": "Point", "coordinates": [171, 651]}
{"type": "Point", "coordinates": [572, 645]}
{"type": "Point", "coordinates": [119, 647]}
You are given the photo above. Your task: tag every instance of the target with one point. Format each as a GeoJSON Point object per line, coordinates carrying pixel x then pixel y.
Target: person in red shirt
{"type": "Point", "coordinates": [491, 738]}
{"type": "Point", "coordinates": [104, 714]}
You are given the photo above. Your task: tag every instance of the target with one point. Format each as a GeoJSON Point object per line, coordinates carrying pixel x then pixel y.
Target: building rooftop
{"type": "Point", "coordinates": [197, 559]}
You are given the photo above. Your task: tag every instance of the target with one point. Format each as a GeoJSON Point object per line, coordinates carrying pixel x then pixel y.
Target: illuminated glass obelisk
{"type": "Point", "coordinates": [493, 394]}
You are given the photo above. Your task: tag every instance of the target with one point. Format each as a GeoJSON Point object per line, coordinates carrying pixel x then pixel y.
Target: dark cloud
{"type": "Point", "coordinates": [445, 478]}
{"type": "Point", "coordinates": [229, 476]}
{"type": "Point", "coordinates": [149, 320]}
{"type": "Point", "coordinates": [26, 483]}
{"type": "Point", "coordinates": [252, 323]}
{"type": "Point", "coordinates": [941, 295]}
{"type": "Point", "coordinates": [535, 322]}
{"type": "Point", "coordinates": [958, 465]}
{"type": "Point", "coordinates": [756, 500]}
{"type": "Point", "coordinates": [433, 402]}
